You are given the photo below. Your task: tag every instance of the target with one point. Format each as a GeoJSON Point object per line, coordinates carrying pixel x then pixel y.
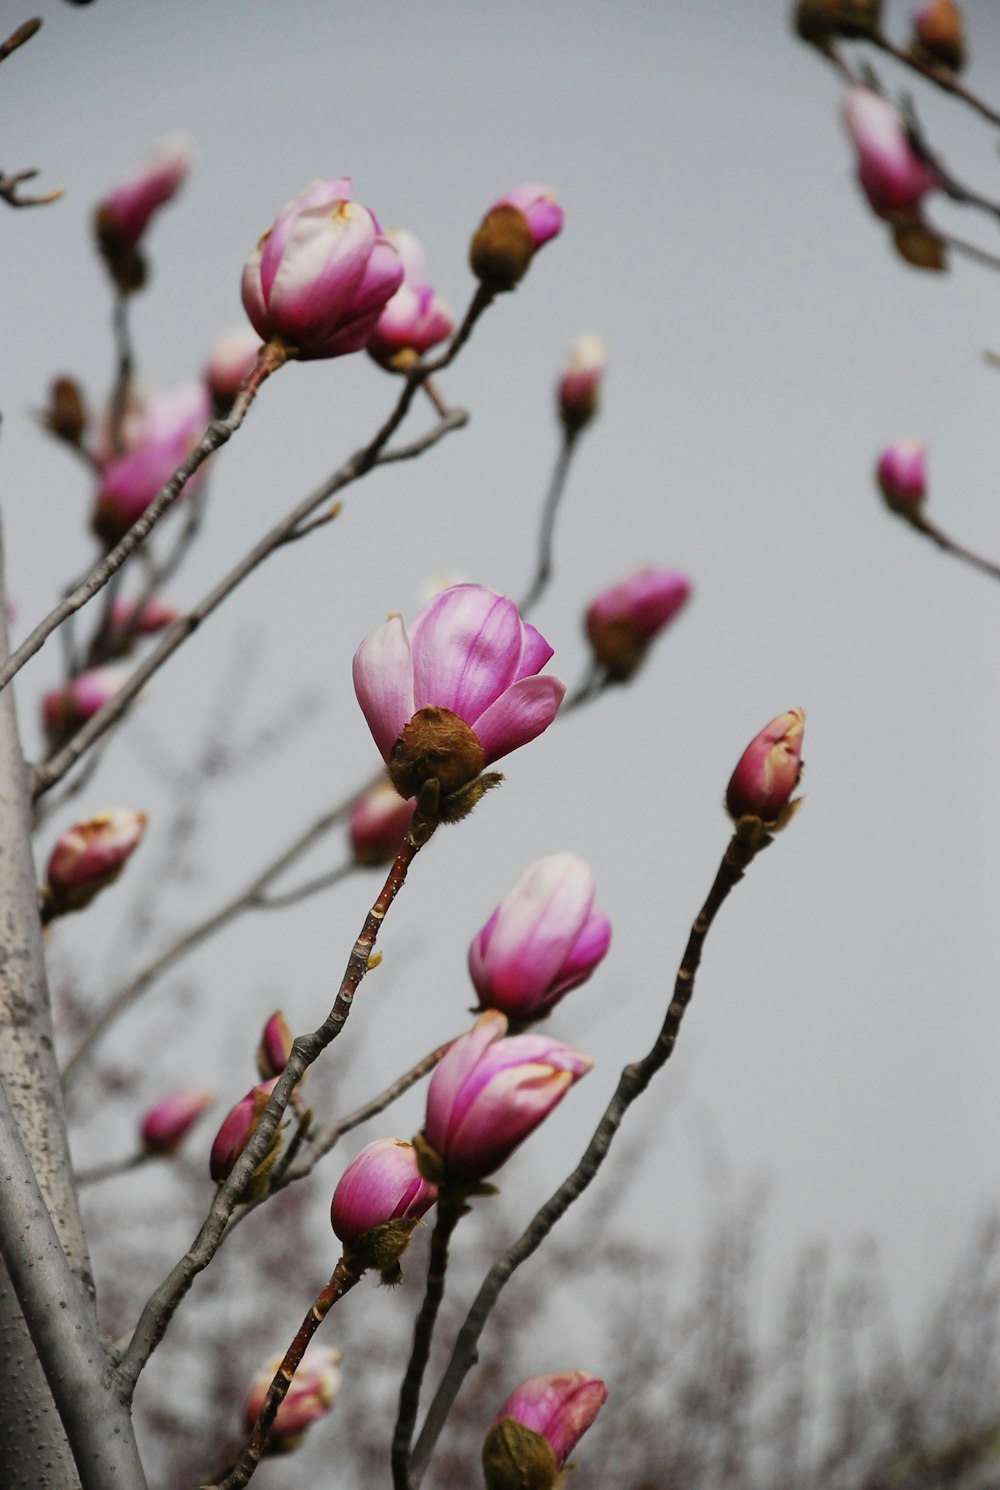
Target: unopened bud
{"type": "Point", "coordinates": [768, 772]}
{"type": "Point", "coordinates": [518, 1458]}
{"type": "Point", "coordinates": [66, 415]}
{"type": "Point", "coordinates": [919, 245]}
{"type": "Point", "coordinates": [166, 1123]}
{"type": "Point", "coordinates": [579, 386]}
{"type": "Point", "coordinates": [505, 241]}
{"type": "Point", "coordinates": [939, 35]}
{"type": "Point", "coordinates": [901, 474]}
{"type": "Point", "coordinates": [622, 622]}
{"type": "Point", "coordinates": [235, 1132]}
{"type": "Point", "coordinates": [378, 825]}
{"type": "Point", "coordinates": [90, 856]}
{"type": "Point", "coordinates": [275, 1046]}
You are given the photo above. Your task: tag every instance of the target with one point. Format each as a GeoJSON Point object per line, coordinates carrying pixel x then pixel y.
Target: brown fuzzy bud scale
{"type": "Point", "coordinates": [939, 36]}
{"type": "Point", "coordinates": [502, 248]}
{"type": "Point", "coordinates": [125, 263]}
{"type": "Point", "coordinates": [820, 20]}
{"type": "Point", "coordinates": [382, 1246]}
{"type": "Point", "coordinates": [518, 1458]}
{"type": "Point", "coordinates": [436, 745]}
{"type": "Point", "coordinates": [918, 244]}
{"type": "Point", "coordinates": [618, 646]}
{"type": "Point", "coordinates": [66, 415]}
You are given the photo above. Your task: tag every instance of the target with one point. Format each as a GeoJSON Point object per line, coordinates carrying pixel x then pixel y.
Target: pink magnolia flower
{"type": "Point", "coordinates": [768, 771]}
{"type": "Point", "coordinates": [378, 824]}
{"type": "Point", "coordinates": [456, 691]}
{"type": "Point", "coordinates": [622, 621]}
{"type": "Point", "coordinates": [510, 234]}
{"type": "Point", "coordinates": [902, 476]}
{"type": "Point", "coordinates": [559, 1405]}
{"type": "Point", "coordinates": [232, 358]}
{"type": "Point", "coordinates": [311, 1395]}
{"type": "Point", "coordinates": [237, 1126]}
{"type": "Point", "coordinates": [64, 709]}
{"type": "Point", "coordinates": [488, 1093]}
{"type": "Point", "coordinates": [126, 211]}
{"type": "Point", "coordinates": [382, 1184]}
{"type": "Point", "coordinates": [892, 174]}
{"type": "Point", "coordinates": [275, 1046]}
{"type": "Point", "coordinates": [580, 383]}
{"type": "Point", "coordinates": [169, 427]}
{"type": "Point", "coordinates": [544, 938]}
{"type": "Point", "coordinates": [128, 622]}
{"type": "Point", "coordinates": [166, 1124]}
{"type": "Point", "coordinates": [90, 855]}
{"type": "Point", "coordinates": [318, 279]}
{"type": "Point", "coordinates": [415, 318]}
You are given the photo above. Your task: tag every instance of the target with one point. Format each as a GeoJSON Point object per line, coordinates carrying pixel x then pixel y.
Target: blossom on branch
{"type": "Point", "coordinates": [66, 708]}
{"type": "Point", "coordinates": [768, 771]}
{"type": "Point", "coordinates": [90, 856]}
{"type": "Point", "coordinates": [622, 621]}
{"type": "Point", "coordinates": [377, 825]}
{"type": "Point", "coordinates": [510, 234]}
{"type": "Point", "coordinates": [166, 1123]}
{"type": "Point", "coordinates": [901, 474]}
{"type": "Point", "coordinates": [237, 1127]}
{"type": "Point", "coordinates": [456, 691]}
{"type": "Point", "coordinates": [538, 1428]}
{"type": "Point", "coordinates": [489, 1093]}
{"type": "Point", "coordinates": [310, 1397]}
{"type": "Point", "coordinates": [318, 279]}
{"type": "Point", "coordinates": [580, 384]}
{"type": "Point", "coordinates": [122, 216]}
{"type": "Point", "coordinates": [158, 434]}
{"type": "Point", "coordinates": [383, 1184]}
{"type": "Point", "coordinates": [893, 176]}
{"type": "Point", "coordinates": [231, 359]}
{"type": "Point", "coordinates": [544, 938]}
{"type": "Point", "coordinates": [415, 318]}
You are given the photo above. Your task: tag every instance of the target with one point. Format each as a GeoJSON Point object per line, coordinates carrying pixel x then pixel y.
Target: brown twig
{"type": "Point", "coordinates": [344, 1278]}
{"type": "Point", "coordinates": [543, 568]}
{"type": "Point", "coordinates": [930, 530]}
{"type": "Point", "coordinates": [160, 1308]}
{"type": "Point", "coordinates": [940, 77]}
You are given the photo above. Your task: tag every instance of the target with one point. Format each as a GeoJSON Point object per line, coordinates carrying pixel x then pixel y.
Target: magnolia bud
{"type": "Point", "coordinates": [275, 1047]}
{"type": "Point", "coordinates": [311, 1395]}
{"type": "Point", "coordinates": [378, 1201]}
{"type": "Point", "coordinates": [918, 244]}
{"type": "Point", "coordinates": [237, 1127]}
{"type": "Point", "coordinates": [538, 1428]}
{"type": "Point", "coordinates": [89, 856]}
{"type": "Point", "coordinates": [378, 824]}
{"type": "Point", "coordinates": [505, 242]}
{"type": "Point", "coordinates": [166, 1123]}
{"type": "Point", "coordinates": [820, 20]}
{"type": "Point", "coordinates": [768, 771]}
{"type": "Point", "coordinates": [939, 35]}
{"type": "Point", "coordinates": [66, 415]}
{"type": "Point", "coordinates": [580, 384]}
{"type": "Point", "coordinates": [622, 621]}
{"type": "Point", "coordinates": [902, 478]}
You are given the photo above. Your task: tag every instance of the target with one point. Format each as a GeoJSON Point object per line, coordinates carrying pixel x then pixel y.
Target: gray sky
{"type": "Point", "coordinates": [765, 344]}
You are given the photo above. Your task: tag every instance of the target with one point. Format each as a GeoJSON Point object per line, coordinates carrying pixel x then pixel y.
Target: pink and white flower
{"type": "Point", "coordinates": [127, 209]}
{"type": "Point", "coordinates": [559, 1405]}
{"type": "Point", "coordinates": [382, 1184]}
{"type": "Point", "coordinates": [319, 278]}
{"type": "Point", "coordinates": [467, 661]}
{"type": "Point", "coordinates": [377, 825]}
{"type": "Point", "coordinates": [91, 855]}
{"type": "Point", "coordinates": [66, 708]}
{"type": "Point", "coordinates": [310, 1397]}
{"type": "Point", "coordinates": [167, 1122]}
{"type": "Point", "coordinates": [544, 938]}
{"type": "Point", "coordinates": [893, 176]}
{"type": "Point", "coordinates": [579, 386]}
{"type": "Point", "coordinates": [232, 358]}
{"type": "Point", "coordinates": [489, 1093]}
{"type": "Point", "coordinates": [415, 318]}
{"type": "Point", "coordinates": [622, 621]}
{"type": "Point", "coordinates": [768, 771]}
{"type": "Point", "coordinates": [902, 476]}
{"type": "Point", "coordinates": [157, 440]}
{"type": "Point", "coordinates": [539, 208]}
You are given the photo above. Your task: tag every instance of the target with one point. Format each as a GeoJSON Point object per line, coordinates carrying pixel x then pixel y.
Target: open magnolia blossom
{"type": "Point", "coordinates": [456, 690]}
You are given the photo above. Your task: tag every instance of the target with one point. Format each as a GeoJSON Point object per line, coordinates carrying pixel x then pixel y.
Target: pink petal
{"type": "Point", "coordinates": [526, 709]}
{"type": "Point", "coordinates": [383, 682]}
{"type": "Point", "coordinates": [535, 654]}
{"type": "Point", "coordinates": [445, 1093]}
{"type": "Point", "coordinates": [466, 649]}
{"type": "Point", "coordinates": [539, 923]}
{"type": "Point", "coordinates": [324, 260]}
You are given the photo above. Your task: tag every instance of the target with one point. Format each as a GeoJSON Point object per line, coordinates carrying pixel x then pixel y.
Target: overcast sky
{"type": "Point", "coordinates": [765, 344]}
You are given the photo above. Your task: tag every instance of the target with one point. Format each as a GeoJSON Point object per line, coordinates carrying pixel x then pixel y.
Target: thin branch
{"type": "Point", "coordinates": [217, 434]}
{"type": "Point", "coordinates": [283, 898]}
{"type": "Point", "coordinates": [359, 464]}
{"type": "Point", "coordinates": [344, 1278]}
{"type": "Point", "coordinates": [543, 570]}
{"type": "Point", "coordinates": [743, 846]}
{"type": "Point", "coordinates": [17, 38]}
{"type": "Point", "coordinates": [163, 1303]}
{"type": "Point", "coordinates": [940, 77]}
{"type": "Point", "coordinates": [112, 1167]}
{"type": "Point", "coordinates": [245, 900]}
{"type": "Point", "coordinates": [930, 530]}
{"type": "Point", "coordinates": [451, 1207]}
{"type": "Point", "coordinates": [11, 180]}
